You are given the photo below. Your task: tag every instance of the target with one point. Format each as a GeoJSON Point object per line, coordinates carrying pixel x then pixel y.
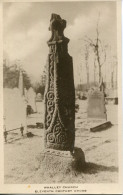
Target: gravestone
{"type": "Point", "coordinates": [96, 105]}
{"type": "Point", "coordinates": [96, 111]}
{"type": "Point", "coordinates": [40, 104]}
{"type": "Point", "coordinates": [14, 108]}
{"type": "Point", "coordinates": [31, 97]}
{"type": "Point", "coordinates": [39, 97]}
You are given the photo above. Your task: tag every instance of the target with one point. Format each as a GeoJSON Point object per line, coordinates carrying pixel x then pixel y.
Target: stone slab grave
{"type": "Point", "coordinates": [59, 153]}
{"type": "Point", "coordinates": [96, 112]}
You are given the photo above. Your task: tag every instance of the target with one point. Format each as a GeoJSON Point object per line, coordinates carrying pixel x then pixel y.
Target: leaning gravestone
{"type": "Point", "coordinates": [59, 153]}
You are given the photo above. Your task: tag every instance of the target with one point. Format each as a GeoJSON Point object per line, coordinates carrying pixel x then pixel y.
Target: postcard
{"type": "Point", "coordinates": [61, 97]}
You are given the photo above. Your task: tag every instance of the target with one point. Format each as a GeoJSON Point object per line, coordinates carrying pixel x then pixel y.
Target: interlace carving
{"type": "Point", "coordinates": [59, 93]}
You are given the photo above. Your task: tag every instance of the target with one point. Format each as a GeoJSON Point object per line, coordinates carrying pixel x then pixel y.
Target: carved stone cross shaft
{"type": "Point", "coordinates": [59, 92]}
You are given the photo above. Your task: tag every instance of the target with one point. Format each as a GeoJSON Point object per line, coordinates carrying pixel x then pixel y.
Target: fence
{"type": "Point", "coordinates": [6, 132]}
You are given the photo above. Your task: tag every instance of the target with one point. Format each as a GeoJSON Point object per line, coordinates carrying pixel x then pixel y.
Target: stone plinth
{"type": "Point", "coordinates": [53, 162]}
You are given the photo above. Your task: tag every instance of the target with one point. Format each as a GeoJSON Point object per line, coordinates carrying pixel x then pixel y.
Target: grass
{"type": "Point", "coordinates": [23, 163]}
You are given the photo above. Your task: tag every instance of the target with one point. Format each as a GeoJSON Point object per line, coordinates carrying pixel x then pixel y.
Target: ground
{"type": "Point", "coordinates": [100, 149]}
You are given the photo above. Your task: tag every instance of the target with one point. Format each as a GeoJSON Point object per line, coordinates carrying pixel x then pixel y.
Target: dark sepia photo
{"type": "Point", "coordinates": [60, 92]}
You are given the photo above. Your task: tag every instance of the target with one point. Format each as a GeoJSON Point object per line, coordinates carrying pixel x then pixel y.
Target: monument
{"type": "Point", "coordinates": [59, 93]}
{"type": "Point", "coordinates": [59, 155]}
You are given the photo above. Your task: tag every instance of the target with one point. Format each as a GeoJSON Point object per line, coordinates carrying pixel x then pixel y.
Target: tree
{"type": "Point", "coordinates": [95, 70]}
{"type": "Point", "coordinates": [11, 76]}
{"type": "Point", "coordinates": [26, 80]}
{"type": "Point", "coordinates": [39, 87]}
{"type": "Point", "coordinates": [99, 50]}
{"type": "Point", "coordinates": [86, 63]}
{"type": "Point", "coordinates": [114, 72]}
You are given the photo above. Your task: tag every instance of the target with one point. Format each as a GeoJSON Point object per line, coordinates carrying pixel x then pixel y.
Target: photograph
{"type": "Point", "coordinates": [61, 97]}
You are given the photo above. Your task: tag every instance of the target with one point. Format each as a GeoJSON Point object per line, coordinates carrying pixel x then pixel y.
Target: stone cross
{"type": "Point", "coordinates": [59, 91]}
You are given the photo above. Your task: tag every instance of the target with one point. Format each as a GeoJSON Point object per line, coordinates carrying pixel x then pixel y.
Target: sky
{"type": "Point", "coordinates": [25, 31]}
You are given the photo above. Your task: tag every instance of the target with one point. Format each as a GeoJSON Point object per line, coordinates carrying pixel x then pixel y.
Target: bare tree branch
{"type": "Point", "coordinates": [97, 29]}
{"type": "Point", "coordinates": [104, 58]}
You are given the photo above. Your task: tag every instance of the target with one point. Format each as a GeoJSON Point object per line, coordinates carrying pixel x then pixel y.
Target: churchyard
{"type": "Point", "coordinates": [22, 164]}
{"type": "Point", "coordinates": [61, 137]}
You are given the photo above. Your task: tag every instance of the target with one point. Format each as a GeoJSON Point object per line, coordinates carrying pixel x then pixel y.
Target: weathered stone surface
{"type": "Point", "coordinates": [59, 92]}
{"type": "Point", "coordinates": [96, 105]}
{"type": "Point", "coordinates": [53, 162]}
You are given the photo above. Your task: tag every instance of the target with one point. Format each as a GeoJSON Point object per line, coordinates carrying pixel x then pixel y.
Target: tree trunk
{"type": "Point", "coordinates": [100, 74]}
{"type": "Point", "coordinates": [112, 80]}
{"type": "Point", "coordinates": [95, 71]}
{"type": "Point", "coordinates": [88, 77]}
